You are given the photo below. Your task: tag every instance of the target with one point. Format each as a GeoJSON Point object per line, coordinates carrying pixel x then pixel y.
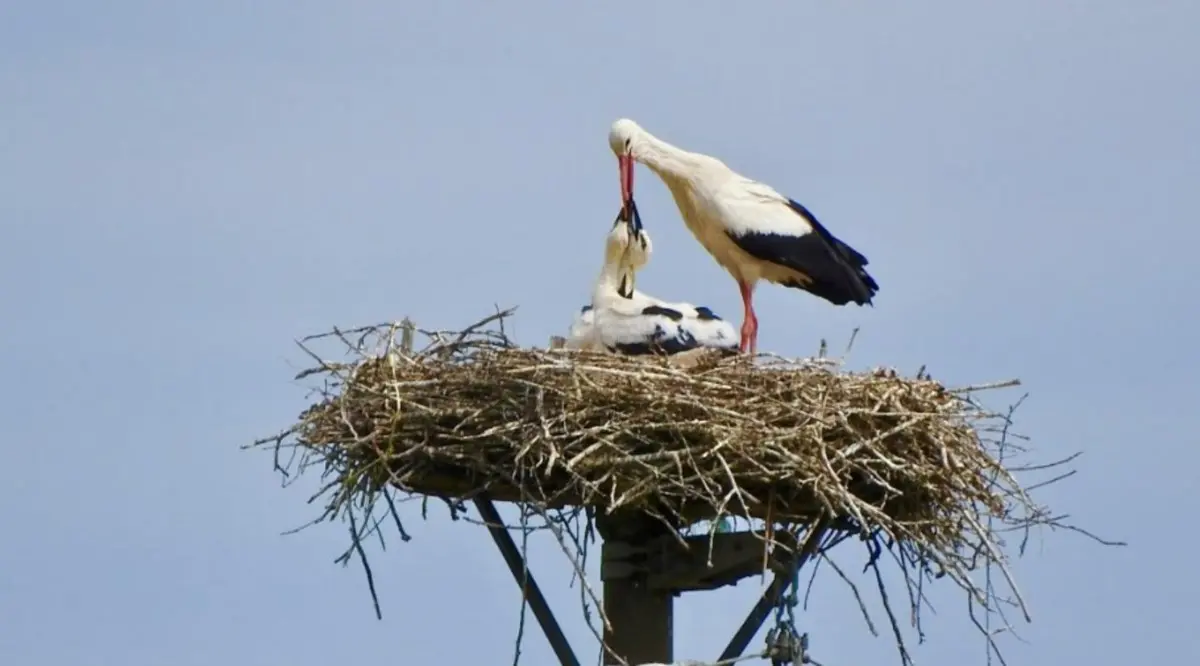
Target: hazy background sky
{"type": "Point", "coordinates": [185, 188]}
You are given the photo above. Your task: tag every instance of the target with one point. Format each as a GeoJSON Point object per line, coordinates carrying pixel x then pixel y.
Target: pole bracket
{"type": "Point", "coordinates": [665, 564]}
{"type": "Point", "coordinates": [529, 587]}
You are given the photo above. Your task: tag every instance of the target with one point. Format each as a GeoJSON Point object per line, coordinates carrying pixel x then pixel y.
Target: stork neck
{"type": "Point", "coordinates": [616, 281]}
{"type": "Point", "coordinates": [665, 159]}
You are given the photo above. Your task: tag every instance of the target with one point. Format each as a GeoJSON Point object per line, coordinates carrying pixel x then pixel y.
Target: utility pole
{"type": "Point", "coordinates": [644, 566]}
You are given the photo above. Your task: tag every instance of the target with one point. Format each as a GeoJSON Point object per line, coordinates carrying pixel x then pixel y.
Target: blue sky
{"type": "Point", "coordinates": [186, 188]}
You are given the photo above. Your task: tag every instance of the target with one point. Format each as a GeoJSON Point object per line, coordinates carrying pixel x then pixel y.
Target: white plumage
{"type": "Point", "coordinates": [754, 232]}
{"type": "Point", "coordinates": [627, 321]}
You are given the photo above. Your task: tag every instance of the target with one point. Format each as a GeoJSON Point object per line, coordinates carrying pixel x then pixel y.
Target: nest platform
{"type": "Point", "coordinates": [779, 440]}
{"type": "Point", "coordinates": [906, 464]}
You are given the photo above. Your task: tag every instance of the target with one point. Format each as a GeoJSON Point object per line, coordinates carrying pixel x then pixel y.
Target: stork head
{"type": "Point", "coordinates": [626, 249]}
{"type": "Point", "coordinates": [619, 238]}
{"type": "Point", "coordinates": [628, 243]}
{"type": "Point", "coordinates": [623, 140]}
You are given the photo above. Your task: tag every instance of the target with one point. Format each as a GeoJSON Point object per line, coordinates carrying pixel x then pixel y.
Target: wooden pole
{"type": "Point", "coordinates": [641, 620]}
{"type": "Point", "coordinates": [640, 615]}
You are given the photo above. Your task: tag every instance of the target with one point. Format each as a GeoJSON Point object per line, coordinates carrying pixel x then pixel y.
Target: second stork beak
{"type": "Point", "coordinates": [635, 220]}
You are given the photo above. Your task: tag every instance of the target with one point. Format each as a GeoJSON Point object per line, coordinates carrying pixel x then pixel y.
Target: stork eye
{"type": "Point", "coordinates": [627, 142]}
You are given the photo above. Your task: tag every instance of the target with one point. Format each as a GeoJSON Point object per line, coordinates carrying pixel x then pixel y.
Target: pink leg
{"type": "Point", "coordinates": [749, 321]}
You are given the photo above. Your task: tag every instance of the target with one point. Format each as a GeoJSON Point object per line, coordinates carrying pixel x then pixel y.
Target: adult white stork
{"type": "Point", "coordinates": [754, 232]}
{"type": "Point", "coordinates": [627, 321]}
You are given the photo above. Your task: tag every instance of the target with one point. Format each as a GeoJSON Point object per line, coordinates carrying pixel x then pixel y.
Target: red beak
{"type": "Point", "coordinates": [625, 163]}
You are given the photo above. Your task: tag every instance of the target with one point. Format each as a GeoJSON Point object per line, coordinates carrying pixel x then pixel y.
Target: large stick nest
{"type": "Point", "coordinates": [778, 439]}
{"type": "Point", "coordinates": [905, 460]}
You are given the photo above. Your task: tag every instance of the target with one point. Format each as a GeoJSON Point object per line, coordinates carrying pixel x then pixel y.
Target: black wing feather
{"type": "Point", "coordinates": [673, 315]}
{"type": "Point", "coordinates": [837, 271]}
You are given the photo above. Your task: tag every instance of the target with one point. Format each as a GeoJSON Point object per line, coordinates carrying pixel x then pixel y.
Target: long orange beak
{"type": "Point", "coordinates": [625, 163]}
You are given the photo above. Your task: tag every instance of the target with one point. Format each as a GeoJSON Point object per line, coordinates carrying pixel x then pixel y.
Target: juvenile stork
{"type": "Point", "coordinates": [627, 321]}
{"type": "Point", "coordinates": [754, 232]}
